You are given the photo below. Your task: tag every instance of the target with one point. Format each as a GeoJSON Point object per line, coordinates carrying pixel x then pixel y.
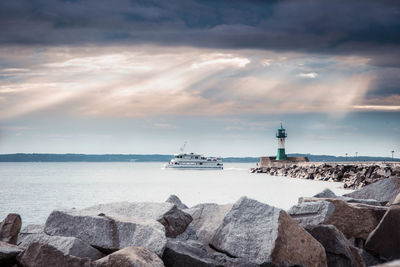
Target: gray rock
{"type": "Point", "coordinates": [312, 213]}
{"type": "Point", "coordinates": [206, 220]}
{"type": "Point", "coordinates": [107, 233]}
{"type": "Point", "coordinates": [8, 254]}
{"type": "Point", "coordinates": [130, 257]}
{"type": "Point", "coordinates": [9, 228]}
{"type": "Point", "coordinates": [338, 249]}
{"type": "Point", "coordinates": [68, 245]}
{"type": "Point", "coordinates": [383, 191]}
{"type": "Point", "coordinates": [189, 234]}
{"type": "Point", "coordinates": [193, 253]}
{"type": "Point", "coordinates": [45, 255]}
{"type": "Point", "coordinates": [385, 239]}
{"type": "Point", "coordinates": [354, 220]}
{"type": "Point", "coordinates": [369, 259]}
{"type": "Point", "coordinates": [174, 220]}
{"type": "Point", "coordinates": [175, 200]}
{"type": "Point", "coordinates": [263, 234]}
{"type": "Point", "coordinates": [326, 193]}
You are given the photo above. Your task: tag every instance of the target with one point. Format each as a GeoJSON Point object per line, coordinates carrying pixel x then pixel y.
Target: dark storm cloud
{"type": "Point", "coordinates": [311, 25]}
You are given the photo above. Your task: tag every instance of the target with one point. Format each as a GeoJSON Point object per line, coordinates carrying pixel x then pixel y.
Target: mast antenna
{"type": "Point", "coordinates": [183, 147]}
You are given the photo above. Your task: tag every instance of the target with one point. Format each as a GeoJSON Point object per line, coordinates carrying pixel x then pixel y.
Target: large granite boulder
{"type": "Point", "coordinates": [339, 251]}
{"type": "Point", "coordinates": [354, 220]}
{"type": "Point", "coordinates": [384, 190]}
{"type": "Point", "coordinates": [68, 245]}
{"type": "Point", "coordinates": [385, 239]}
{"type": "Point", "coordinates": [193, 253]}
{"type": "Point", "coordinates": [206, 220]}
{"type": "Point", "coordinates": [174, 220]}
{"type": "Point", "coordinates": [45, 255]}
{"type": "Point", "coordinates": [263, 234]}
{"type": "Point", "coordinates": [130, 257]}
{"type": "Point", "coordinates": [9, 228]}
{"type": "Point", "coordinates": [173, 199]}
{"type": "Point", "coordinates": [107, 233]}
{"type": "Point", "coordinates": [8, 254]}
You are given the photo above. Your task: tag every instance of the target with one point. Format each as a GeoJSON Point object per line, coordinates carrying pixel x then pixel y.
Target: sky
{"type": "Point", "coordinates": [143, 77]}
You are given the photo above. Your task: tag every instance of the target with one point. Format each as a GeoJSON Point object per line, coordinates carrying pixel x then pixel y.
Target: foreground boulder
{"type": "Point", "coordinates": [173, 199]}
{"type": "Point", "coordinates": [8, 254]}
{"type": "Point", "coordinates": [45, 255]}
{"type": "Point", "coordinates": [174, 220]}
{"type": "Point", "coordinates": [354, 220]}
{"type": "Point", "coordinates": [263, 234]}
{"type": "Point", "coordinates": [385, 239]}
{"type": "Point", "coordinates": [193, 253]}
{"type": "Point", "coordinates": [339, 251]}
{"type": "Point", "coordinates": [68, 245]}
{"type": "Point", "coordinates": [107, 233]}
{"type": "Point", "coordinates": [206, 220]}
{"type": "Point", "coordinates": [9, 228]}
{"type": "Point", "coordinates": [130, 257]}
{"type": "Point", "coordinates": [384, 190]}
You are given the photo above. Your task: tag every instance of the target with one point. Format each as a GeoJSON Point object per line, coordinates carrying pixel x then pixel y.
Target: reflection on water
{"type": "Point", "coordinates": [35, 189]}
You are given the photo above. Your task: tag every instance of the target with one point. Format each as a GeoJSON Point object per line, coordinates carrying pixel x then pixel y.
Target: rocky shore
{"type": "Point", "coordinates": [359, 229]}
{"type": "Point", "coordinates": [354, 175]}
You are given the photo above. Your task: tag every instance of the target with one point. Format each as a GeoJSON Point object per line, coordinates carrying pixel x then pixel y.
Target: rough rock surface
{"type": "Point", "coordinates": [193, 253]}
{"type": "Point", "coordinates": [206, 219]}
{"type": "Point", "coordinates": [9, 228]}
{"type": "Point", "coordinates": [107, 233]}
{"type": "Point", "coordinates": [312, 213]}
{"type": "Point", "coordinates": [68, 245]}
{"type": "Point", "coordinates": [352, 219]}
{"type": "Point", "coordinates": [372, 202]}
{"type": "Point", "coordinates": [326, 193]}
{"type": "Point", "coordinates": [130, 257]}
{"type": "Point", "coordinates": [384, 190]}
{"type": "Point", "coordinates": [338, 249]}
{"type": "Point", "coordinates": [8, 254]}
{"type": "Point", "coordinates": [173, 199]}
{"type": "Point", "coordinates": [174, 220]}
{"type": "Point", "coordinates": [45, 255]}
{"type": "Point", "coordinates": [263, 234]}
{"type": "Point", "coordinates": [385, 239]}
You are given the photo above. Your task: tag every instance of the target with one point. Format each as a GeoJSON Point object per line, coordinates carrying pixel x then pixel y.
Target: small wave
{"type": "Point", "coordinates": [235, 169]}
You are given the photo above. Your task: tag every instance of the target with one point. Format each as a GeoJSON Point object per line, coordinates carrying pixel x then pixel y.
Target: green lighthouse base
{"type": "Point", "coordinates": [281, 155]}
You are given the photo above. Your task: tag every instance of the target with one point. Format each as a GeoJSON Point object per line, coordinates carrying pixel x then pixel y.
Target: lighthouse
{"type": "Point", "coordinates": [281, 135]}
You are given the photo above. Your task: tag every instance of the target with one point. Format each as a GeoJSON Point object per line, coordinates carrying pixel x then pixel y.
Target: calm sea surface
{"type": "Point", "coordinates": [35, 189]}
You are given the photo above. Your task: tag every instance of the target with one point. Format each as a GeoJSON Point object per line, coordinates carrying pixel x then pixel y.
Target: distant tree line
{"type": "Point", "coordinates": [38, 157]}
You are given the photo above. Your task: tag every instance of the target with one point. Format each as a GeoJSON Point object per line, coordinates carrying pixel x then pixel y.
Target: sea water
{"type": "Point", "coordinates": [35, 189]}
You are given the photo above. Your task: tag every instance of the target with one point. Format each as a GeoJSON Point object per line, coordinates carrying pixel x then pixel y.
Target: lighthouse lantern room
{"type": "Point", "coordinates": [281, 135]}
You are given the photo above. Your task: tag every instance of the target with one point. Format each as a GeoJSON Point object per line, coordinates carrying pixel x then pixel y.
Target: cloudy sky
{"type": "Point", "coordinates": [126, 76]}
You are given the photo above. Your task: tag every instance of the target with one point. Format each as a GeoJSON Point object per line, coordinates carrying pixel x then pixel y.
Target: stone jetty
{"type": "Point", "coordinates": [354, 175]}
{"type": "Point", "coordinates": [322, 230]}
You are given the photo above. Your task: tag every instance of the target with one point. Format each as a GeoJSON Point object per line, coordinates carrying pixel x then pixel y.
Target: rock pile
{"type": "Point", "coordinates": [324, 230]}
{"type": "Point", "coordinates": [353, 175]}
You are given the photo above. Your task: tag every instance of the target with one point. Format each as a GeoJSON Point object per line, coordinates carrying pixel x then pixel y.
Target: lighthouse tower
{"type": "Point", "coordinates": [281, 135]}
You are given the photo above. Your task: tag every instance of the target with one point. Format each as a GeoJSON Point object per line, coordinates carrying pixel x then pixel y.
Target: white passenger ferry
{"type": "Point", "coordinates": [194, 161]}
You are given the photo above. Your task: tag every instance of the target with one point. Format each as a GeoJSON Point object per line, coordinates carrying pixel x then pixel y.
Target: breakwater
{"type": "Point", "coordinates": [352, 174]}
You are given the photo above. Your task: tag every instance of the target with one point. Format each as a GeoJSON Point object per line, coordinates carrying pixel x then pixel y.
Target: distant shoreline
{"type": "Point", "coordinates": [45, 157]}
